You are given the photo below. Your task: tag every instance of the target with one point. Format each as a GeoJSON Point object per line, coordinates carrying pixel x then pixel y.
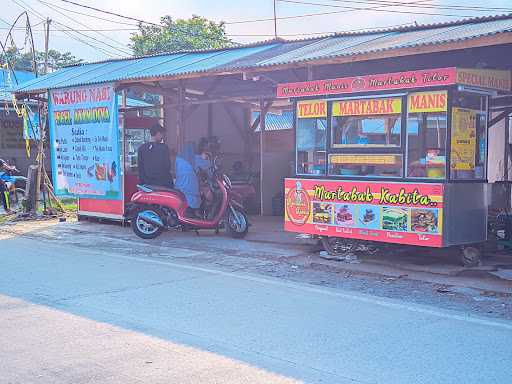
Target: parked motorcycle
{"type": "Point", "coordinates": [16, 184]}
{"type": "Point", "coordinates": [154, 209]}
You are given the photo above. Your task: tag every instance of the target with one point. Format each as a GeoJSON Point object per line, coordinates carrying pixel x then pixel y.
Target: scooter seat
{"type": "Point", "coordinates": [161, 188]}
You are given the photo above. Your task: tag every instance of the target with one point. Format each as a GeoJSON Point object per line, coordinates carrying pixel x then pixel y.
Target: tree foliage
{"type": "Point", "coordinates": [23, 60]}
{"type": "Point", "coordinates": [177, 35]}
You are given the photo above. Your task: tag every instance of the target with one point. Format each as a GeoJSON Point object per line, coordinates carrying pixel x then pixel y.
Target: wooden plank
{"type": "Point", "coordinates": [180, 134]}
{"type": "Point", "coordinates": [263, 114]}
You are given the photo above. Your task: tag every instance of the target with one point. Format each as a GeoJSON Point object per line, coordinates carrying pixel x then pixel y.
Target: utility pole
{"type": "Point", "coordinates": [275, 20]}
{"type": "Point", "coordinates": [46, 41]}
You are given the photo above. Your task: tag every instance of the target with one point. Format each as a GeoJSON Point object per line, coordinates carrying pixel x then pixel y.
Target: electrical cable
{"type": "Point", "coordinates": [86, 26]}
{"type": "Point", "coordinates": [111, 13]}
{"type": "Point", "coordinates": [80, 30]}
{"type": "Point", "coordinates": [69, 30]}
{"type": "Point", "coordinates": [379, 9]}
{"type": "Point", "coordinates": [429, 6]}
{"type": "Point", "coordinates": [93, 16]}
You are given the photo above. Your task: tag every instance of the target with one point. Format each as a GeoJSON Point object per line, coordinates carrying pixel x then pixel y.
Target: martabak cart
{"type": "Point", "coordinates": [396, 158]}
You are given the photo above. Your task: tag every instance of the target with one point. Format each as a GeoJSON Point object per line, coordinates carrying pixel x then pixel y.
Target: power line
{"type": "Point", "coordinates": [81, 30]}
{"type": "Point", "coordinates": [111, 13]}
{"type": "Point", "coordinates": [86, 26]}
{"type": "Point", "coordinates": [284, 17]}
{"type": "Point", "coordinates": [426, 6]}
{"type": "Point", "coordinates": [68, 31]}
{"type": "Point", "coordinates": [106, 52]}
{"type": "Point", "coordinates": [71, 30]}
{"type": "Point", "coordinates": [93, 16]}
{"type": "Point", "coordinates": [379, 9]}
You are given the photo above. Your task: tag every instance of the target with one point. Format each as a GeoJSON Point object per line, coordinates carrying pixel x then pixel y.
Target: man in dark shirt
{"type": "Point", "coordinates": [154, 160]}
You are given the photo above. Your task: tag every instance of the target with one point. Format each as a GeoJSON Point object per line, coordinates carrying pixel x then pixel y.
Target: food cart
{"type": "Point", "coordinates": [95, 133]}
{"type": "Point", "coordinates": [397, 158]}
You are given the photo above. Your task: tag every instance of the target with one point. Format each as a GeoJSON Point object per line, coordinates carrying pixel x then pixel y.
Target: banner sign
{"type": "Point", "coordinates": [31, 125]}
{"type": "Point", "coordinates": [85, 145]}
{"type": "Point", "coordinates": [381, 82]}
{"type": "Point", "coordinates": [485, 78]}
{"type": "Point", "coordinates": [367, 107]}
{"type": "Point", "coordinates": [311, 108]}
{"type": "Point", "coordinates": [463, 143]}
{"type": "Point", "coordinates": [479, 78]}
{"type": "Point", "coordinates": [387, 212]}
{"type": "Point", "coordinates": [428, 102]}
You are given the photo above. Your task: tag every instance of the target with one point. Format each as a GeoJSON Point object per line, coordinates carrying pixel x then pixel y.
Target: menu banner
{"type": "Point", "coordinates": [428, 102]}
{"type": "Point", "coordinates": [463, 143]}
{"type": "Point", "coordinates": [381, 82]}
{"type": "Point", "coordinates": [386, 212]}
{"type": "Point", "coordinates": [85, 147]}
{"type": "Point", "coordinates": [367, 107]}
{"type": "Point", "coordinates": [311, 109]}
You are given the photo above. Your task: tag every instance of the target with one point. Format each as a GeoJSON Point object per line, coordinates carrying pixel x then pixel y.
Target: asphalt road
{"type": "Point", "coordinates": [72, 315]}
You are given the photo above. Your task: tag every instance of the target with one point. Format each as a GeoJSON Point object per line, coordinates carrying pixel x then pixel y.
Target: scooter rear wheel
{"type": "Point", "coordinates": [142, 228]}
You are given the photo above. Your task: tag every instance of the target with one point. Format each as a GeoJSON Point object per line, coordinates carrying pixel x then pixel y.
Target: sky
{"type": "Point", "coordinates": [114, 42]}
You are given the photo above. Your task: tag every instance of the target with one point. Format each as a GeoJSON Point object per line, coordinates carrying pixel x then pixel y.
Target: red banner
{"type": "Point", "coordinates": [381, 82]}
{"type": "Point", "coordinates": [403, 213]}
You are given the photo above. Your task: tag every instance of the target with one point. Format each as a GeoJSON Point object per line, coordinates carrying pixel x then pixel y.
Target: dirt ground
{"type": "Point", "coordinates": [418, 275]}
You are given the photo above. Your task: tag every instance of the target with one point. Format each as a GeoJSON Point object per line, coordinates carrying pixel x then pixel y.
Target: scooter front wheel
{"type": "Point", "coordinates": [237, 223]}
{"type": "Point", "coordinates": [143, 227]}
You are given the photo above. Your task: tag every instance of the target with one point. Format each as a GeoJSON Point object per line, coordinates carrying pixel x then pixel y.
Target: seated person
{"type": "Point", "coordinates": [154, 160]}
{"type": "Point", "coordinates": [186, 177]}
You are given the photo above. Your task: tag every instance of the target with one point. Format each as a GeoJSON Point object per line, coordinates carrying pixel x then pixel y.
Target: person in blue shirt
{"type": "Point", "coordinates": [6, 181]}
{"type": "Point", "coordinates": [188, 164]}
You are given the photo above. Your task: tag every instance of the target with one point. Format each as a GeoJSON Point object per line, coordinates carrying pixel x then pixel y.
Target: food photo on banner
{"type": "Point", "coordinates": [85, 146]}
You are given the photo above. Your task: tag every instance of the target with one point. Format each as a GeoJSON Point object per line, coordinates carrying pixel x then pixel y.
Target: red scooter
{"type": "Point", "coordinates": [154, 208]}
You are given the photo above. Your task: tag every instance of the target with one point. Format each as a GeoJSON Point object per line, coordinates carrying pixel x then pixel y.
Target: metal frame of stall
{"type": "Point", "coordinates": [461, 204]}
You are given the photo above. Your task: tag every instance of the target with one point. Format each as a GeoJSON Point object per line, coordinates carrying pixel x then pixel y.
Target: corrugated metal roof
{"type": "Point", "coordinates": [344, 45]}
{"type": "Point", "coordinates": [275, 121]}
{"type": "Point", "coordinates": [270, 53]}
{"type": "Point", "coordinates": [7, 82]}
{"type": "Point", "coordinates": [141, 68]}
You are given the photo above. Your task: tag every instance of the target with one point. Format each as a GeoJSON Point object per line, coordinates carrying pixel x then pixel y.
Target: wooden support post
{"type": "Point", "coordinates": [180, 131]}
{"type": "Point", "coordinates": [263, 114]}
{"type": "Point", "coordinates": [309, 73]}
{"type": "Point", "coordinates": [31, 189]}
{"type": "Point", "coordinates": [246, 126]}
{"type": "Point", "coordinates": [507, 149]}
{"type": "Point", "coordinates": [210, 121]}
{"type": "Point", "coordinates": [264, 107]}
